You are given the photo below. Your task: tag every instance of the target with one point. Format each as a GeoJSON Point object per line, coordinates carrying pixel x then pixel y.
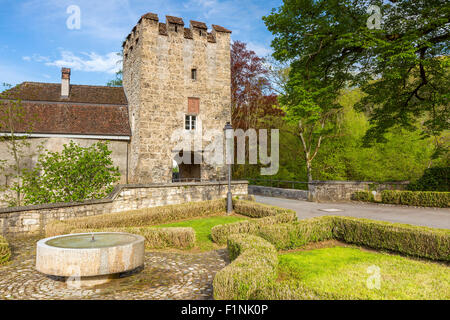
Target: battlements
{"type": "Point", "coordinates": [173, 26]}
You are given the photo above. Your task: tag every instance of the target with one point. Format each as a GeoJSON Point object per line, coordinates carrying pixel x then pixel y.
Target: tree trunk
{"type": "Point", "coordinates": [308, 170]}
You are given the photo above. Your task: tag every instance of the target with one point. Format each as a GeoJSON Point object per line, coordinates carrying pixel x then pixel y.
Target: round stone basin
{"type": "Point", "coordinates": [79, 256]}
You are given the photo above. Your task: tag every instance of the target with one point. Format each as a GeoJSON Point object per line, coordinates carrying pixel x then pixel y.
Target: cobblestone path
{"type": "Point", "coordinates": [166, 275]}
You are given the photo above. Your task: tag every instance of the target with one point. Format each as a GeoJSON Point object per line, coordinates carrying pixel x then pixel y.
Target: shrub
{"type": "Point", "coordinates": [416, 198]}
{"type": "Point", "coordinates": [267, 215]}
{"type": "Point", "coordinates": [5, 251]}
{"type": "Point", "coordinates": [156, 238]}
{"type": "Point", "coordinates": [220, 233]}
{"type": "Point", "coordinates": [74, 174]}
{"type": "Point", "coordinates": [295, 234]}
{"type": "Point", "coordinates": [138, 218]}
{"type": "Point", "coordinates": [433, 179]}
{"type": "Point", "coordinates": [406, 239]}
{"type": "Point", "coordinates": [254, 266]}
{"type": "Point", "coordinates": [363, 196]}
{"type": "Point", "coordinates": [256, 210]}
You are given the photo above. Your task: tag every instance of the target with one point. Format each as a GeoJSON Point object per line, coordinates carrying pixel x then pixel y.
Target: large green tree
{"type": "Point", "coordinates": [401, 66]}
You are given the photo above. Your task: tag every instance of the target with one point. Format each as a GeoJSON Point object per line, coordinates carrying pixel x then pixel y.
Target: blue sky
{"type": "Point", "coordinates": [35, 40]}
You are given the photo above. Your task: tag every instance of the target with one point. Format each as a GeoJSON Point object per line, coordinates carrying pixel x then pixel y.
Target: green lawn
{"type": "Point", "coordinates": [342, 273]}
{"type": "Point", "coordinates": [202, 227]}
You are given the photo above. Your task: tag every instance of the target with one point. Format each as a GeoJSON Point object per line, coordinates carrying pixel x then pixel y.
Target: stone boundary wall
{"type": "Point", "coordinates": [328, 191]}
{"type": "Point", "coordinates": [278, 192]}
{"type": "Point", "coordinates": [32, 219]}
{"type": "Point", "coordinates": [335, 191]}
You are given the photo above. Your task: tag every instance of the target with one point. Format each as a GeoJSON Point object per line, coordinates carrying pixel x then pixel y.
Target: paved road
{"type": "Point", "coordinates": [429, 217]}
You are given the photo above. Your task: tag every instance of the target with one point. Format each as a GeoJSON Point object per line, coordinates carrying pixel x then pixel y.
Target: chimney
{"type": "Point", "coordinates": [65, 82]}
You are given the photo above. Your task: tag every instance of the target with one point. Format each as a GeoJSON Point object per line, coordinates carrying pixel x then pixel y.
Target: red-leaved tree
{"type": "Point", "coordinates": [251, 97]}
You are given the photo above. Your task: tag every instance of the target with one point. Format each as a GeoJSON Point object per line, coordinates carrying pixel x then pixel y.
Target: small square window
{"type": "Point", "coordinates": [194, 74]}
{"type": "Point", "coordinates": [190, 122]}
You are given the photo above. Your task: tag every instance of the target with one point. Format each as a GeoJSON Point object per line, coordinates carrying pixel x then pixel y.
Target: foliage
{"type": "Point", "coordinates": [18, 124]}
{"type": "Point", "coordinates": [254, 266]}
{"type": "Point", "coordinates": [416, 198]}
{"type": "Point", "coordinates": [202, 227]}
{"type": "Point", "coordinates": [253, 274]}
{"type": "Point", "coordinates": [76, 174]}
{"type": "Point", "coordinates": [399, 66]}
{"type": "Point", "coordinates": [342, 273]}
{"type": "Point", "coordinates": [138, 218]}
{"type": "Point", "coordinates": [363, 196]}
{"type": "Point", "coordinates": [433, 179]}
{"type": "Point", "coordinates": [5, 251]}
{"type": "Point", "coordinates": [266, 214]}
{"type": "Point", "coordinates": [250, 97]}
{"type": "Point", "coordinates": [404, 156]}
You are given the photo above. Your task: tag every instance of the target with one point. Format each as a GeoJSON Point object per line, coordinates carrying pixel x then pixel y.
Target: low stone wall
{"type": "Point", "coordinates": [32, 219]}
{"type": "Point", "coordinates": [342, 190]}
{"type": "Point", "coordinates": [278, 192]}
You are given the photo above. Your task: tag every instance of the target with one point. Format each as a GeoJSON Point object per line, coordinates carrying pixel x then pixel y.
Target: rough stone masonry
{"type": "Point", "coordinates": [170, 72]}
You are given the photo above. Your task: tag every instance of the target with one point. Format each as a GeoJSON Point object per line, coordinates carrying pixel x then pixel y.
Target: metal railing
{"type": "Point", "coordinates": [300, 185]}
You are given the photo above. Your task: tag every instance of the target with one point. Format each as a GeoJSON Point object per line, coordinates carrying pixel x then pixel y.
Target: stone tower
{"type": "Point", "coordinates": [175, 78]}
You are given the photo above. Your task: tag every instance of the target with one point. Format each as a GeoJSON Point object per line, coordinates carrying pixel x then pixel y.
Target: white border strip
{"type": "Point", "coordinates": [73, 136]}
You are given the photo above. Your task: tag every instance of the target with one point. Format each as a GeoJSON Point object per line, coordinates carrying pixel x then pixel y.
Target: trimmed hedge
{"type": "Point", "coordinates": [268, 215]}
{"type": "Point", "coordinates": [137, 218]}
{"type": "Point", "coordinates": [156, 238]}
{"type": "Point", "coordinates": [5, 251]}
{"type": "Point", "coordinates": [257, 210]}
{"type": "Point", "coordinates": [416, 198]}
{"type": "Point", "coordinates": [251, 274]}
{"type": "Point", "coordinates": [411, 240]}
{"type": "Point", "coordinates": [254, 266]}
{"type": "Point", "coordinates": [363, 196]}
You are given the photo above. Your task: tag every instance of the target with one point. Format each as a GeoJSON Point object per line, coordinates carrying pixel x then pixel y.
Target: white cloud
{"type": "Point", "coordinates": [260, 50]}
{"type": "Point", "coordinates": [88, 62]}
{"type": "Point", "coordinates": [36, 58]}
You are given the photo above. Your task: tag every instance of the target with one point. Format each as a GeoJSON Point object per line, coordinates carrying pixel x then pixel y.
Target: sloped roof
{"type": "Point", "coordinates": [89, 110]}
{"type": "Point", "coordinates": [38, 91]}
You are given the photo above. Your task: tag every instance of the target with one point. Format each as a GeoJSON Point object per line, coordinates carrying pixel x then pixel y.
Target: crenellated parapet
{"type": "Point", "coordinates": [173, 27]}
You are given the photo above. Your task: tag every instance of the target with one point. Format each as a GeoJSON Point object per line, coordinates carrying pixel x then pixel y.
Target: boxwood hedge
{"type": "Point", "coordinates": [416, 198]}
{"type": "Point", "coordinates": [5, 251]}
{"type": "Point", "coordinates": [252, 273]}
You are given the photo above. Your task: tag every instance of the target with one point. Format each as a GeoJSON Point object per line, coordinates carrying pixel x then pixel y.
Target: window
{"type": "Point", "coordinates": [194, 74]}
{"type": "Point", "coordinates": [176, 28]}
{"type": "Point", "coordinates": [189, 122]}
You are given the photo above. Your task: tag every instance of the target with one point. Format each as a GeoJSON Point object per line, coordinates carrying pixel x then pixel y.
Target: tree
{"type": "Point", "coordinates": [76, 174]}
{"type": "Point", "coordinates": [12, 117]}
{"type": "Point", "coordinates": [251, 93]}
{"type": "Point", "coordinates": [401, 67]}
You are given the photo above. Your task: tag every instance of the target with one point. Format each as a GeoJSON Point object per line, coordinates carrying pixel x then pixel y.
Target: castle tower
{"type": "Point", "coordinates": [175, 78]}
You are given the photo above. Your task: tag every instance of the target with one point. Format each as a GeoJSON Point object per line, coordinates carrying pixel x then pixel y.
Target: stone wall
{"type": "Point", "coordinates": [55, 144]}
{"type": "Point", "coordinates": [342, 190]}
{"type": "Point", "coordinates": [157, 64]}
{"type": "Point", "coordinates": [32, 219]}
{"type": "Point", "coordinates": [278, 192]}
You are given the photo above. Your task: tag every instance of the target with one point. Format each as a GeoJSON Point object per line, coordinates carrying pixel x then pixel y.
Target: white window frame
{"type": "Point", "coordinates": [190, 122]}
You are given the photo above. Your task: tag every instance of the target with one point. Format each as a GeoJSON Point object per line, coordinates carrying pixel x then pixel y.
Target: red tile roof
{"type": "Point", "coordinates": [89, 110]}
{"type": "Point", "coordinates": [38, 91]}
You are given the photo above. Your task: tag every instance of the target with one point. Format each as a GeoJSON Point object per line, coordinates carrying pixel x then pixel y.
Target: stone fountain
{"type": "Point", "coordinates": [90, 259]}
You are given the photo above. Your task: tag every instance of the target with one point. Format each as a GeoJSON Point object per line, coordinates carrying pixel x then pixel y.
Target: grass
{"type": "Point", "coordinates": [202, 228]}
{"type": "Point", "coordinates": [343, 273]}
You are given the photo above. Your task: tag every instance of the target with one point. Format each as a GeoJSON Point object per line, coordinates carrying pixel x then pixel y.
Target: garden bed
{"type": "Point", "coordinates": [354, 273]}
{"type": "Point", "coordinates": [255, 272]}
